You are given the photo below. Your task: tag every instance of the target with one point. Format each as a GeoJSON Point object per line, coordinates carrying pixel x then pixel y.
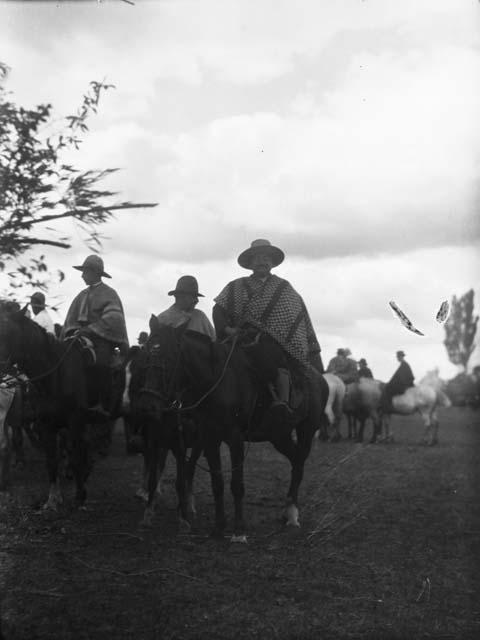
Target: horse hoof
{"type": "Point", "coordinates": [242, 538]}
{"type": "Point", "coordinates": [146, 523]}
{"type": "Point", "coordinates": [184, 526]}
{"type": "Point", "coordinates": [141, 494]}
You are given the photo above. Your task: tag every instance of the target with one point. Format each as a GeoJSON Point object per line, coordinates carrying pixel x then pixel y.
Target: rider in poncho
{"type": "Point", "coordinates": [97, 313]}
{"type": "Point", "coordinates": [271, 305]}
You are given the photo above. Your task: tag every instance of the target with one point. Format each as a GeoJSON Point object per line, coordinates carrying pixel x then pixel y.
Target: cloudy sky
{"type": "Point", "coordinates": [347, 133]}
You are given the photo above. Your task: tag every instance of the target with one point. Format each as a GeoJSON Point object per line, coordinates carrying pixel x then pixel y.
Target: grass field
{"type": "Point", "coordinates": [389, 548]}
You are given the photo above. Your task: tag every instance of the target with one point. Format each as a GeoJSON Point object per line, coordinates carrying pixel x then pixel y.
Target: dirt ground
{"type": "Point", "coordinates": [388, 548]}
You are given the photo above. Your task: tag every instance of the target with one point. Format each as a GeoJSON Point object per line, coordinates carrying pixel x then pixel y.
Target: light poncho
{"type": "Point", "coordinates": [274, 306]}
{"type": "Point", "coordinates": [196, 319]}
{"type": "Point", "coordinates": [43, 320]}
{"type": "Point", "coordinates": [99, 308]}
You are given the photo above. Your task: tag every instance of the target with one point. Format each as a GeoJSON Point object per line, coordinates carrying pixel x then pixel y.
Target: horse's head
{"type": "Point", "coordinates": [11, 347]}
{"type": "Point", "coordinates": [21, 339]}
{"type": "Point", "coordinates": [159, 367]}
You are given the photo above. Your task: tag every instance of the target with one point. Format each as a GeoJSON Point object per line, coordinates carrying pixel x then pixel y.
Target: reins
{"type": "Point", "coordinates": [17, 380]}
{"type": "Point", "coordinates": [176, 405]}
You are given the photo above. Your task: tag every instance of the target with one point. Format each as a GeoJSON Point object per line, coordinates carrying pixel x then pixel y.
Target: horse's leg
{"type": "Point", "coordinates": [212, 454]}
{"type": "Point", "coordinates": [376, 426]}
{"type": "Point", "coordinates": [152, 450]}
{"type": "Point", "coordinates": [142, 491]}
{"type": "Point", "coordinates": [17, 443]}
{"type": "Point", "coordinates": [51, 454]}
{"type": "Point", "coordinates": [190, 472]}
{"type": "Point", "coordinates": [237, 486]}
{"type": "Point", "coordinates": [296, 454]}
{"type": "Point", "coordinates": [79, 454]}
{"type": "Point", "coordinates": [4, 456]}
{"type": "Point", "coordinates": [427, 432]}
{"type": "Point", "coordinates": [361, 427]}
{"type": "Point", "coordinates": [180, 485]}
{"type": "Point", "coordinates": [435, 425]}
{"type": "Point", "coordinates": [387, 430]}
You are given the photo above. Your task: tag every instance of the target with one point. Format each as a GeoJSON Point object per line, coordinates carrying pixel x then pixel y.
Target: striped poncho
{"type": "Point", "coordinates": [275, 307]}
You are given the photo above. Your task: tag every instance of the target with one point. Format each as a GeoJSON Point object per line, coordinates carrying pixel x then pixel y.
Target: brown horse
{"type": "Point", "coordinates": [216, 384]}
{"type": "Point", "coordinates": [57, 372]}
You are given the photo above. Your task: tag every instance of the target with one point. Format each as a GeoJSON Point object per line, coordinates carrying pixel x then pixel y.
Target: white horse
{"type": "Point", "coordinates": [424, 399]}
{"type": "Point", "coordinates": [334, 407]}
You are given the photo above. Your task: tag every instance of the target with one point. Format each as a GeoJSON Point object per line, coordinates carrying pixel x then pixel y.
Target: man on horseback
{"type": "Point", "coordinates": [364, 370]}
{"type": "Point", "coordinates": [343, 367]}
{"type": "Point", "coordinates": [183, 309]}
{"type": "Point", "coordinates": [269, 306]}
{"type": "Point", "coordinates": [97, 313]}
{"type": "Point", "coordinates": [401, 380]}
{"type": "Point", "coordinates": [40, 314]}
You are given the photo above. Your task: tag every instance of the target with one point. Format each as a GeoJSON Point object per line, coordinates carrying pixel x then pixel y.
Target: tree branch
{"type": "Point", "coordinates": [73, 212]}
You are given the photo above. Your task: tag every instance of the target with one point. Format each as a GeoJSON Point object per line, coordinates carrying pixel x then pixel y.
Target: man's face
{"type": "Point", "coordinates": [399, 357]}
{"type": "Point", "coordinates": [186, 301]}
{"type": "Point", "coordinates": [261, 264]}
{"type": "Point", "coordinates": [36, 308]}
{"type": "Point", "coordinates": [90, 276]}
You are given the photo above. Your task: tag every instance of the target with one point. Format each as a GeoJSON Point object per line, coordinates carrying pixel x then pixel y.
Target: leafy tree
{"type": "Point", "coordinates": [38, 189]}
{"type": "Point", "coordinates": [460, 329]}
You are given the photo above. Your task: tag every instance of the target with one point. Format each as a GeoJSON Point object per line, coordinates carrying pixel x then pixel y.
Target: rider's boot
{"type": "Point", "coordinates": [282, 389]}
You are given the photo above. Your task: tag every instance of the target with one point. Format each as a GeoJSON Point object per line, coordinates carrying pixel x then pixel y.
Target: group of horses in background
{"type": "Point", "coordinates": [187, 395]}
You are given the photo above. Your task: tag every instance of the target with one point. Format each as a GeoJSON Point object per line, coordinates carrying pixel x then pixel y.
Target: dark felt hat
{"type": "Point", "coordinates": [37, 298]}
{"type": "Point", "coordinates": [95, 263]}
{"type": "Point", "coordinates": [260, 246]}
{"type": "Point", "coordinates": [400, 353]}
{"type": "Point", "coordinates": [186, 284]}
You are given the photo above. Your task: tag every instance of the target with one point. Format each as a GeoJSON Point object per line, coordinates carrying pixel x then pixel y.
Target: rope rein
{"type": "Point", "coordinates": [176, 405]}
{"type": "Point", "coordinates": [12, 380]}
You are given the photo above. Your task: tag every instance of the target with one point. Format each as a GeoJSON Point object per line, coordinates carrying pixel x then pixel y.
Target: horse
{"type": "Point", "coordinates": [160, 430]}
{"type": "Point", "coordinates": [229, 404]}
{"type": "Point", "coordinates": [57, 372]}
{"type": "Point", "coordinates": [424, 398]}
{"type": "Point", "coordinates": [361, 402]}
{"type": "Point", "coordinates": [333, 407]}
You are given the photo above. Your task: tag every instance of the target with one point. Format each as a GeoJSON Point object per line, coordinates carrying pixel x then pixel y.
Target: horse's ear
{"type": "Point", "coordinates": [153, 323]}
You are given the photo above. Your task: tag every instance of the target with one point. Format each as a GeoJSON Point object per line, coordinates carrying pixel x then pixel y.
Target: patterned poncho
{"type": "Point", "coordinates": [98, 307]}
{"type": "Point", "coordinates": [275, 307]}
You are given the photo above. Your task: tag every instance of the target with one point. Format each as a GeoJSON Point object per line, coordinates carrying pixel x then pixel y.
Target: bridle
{"type": "Point", "coordinates": [176, 404]}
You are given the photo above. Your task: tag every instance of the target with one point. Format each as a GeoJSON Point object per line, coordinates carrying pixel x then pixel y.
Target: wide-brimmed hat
{"type": "Point", "coordinates": [186, 284]}
{"type": "Point", "coordinates": [400, 353]}
{"type": "Point", "coordinates": [95, 263]}
{"type": "Point", "coordinates": [340, 352]}
{"type": "Point", "coordinates": [362, 361]}
{"type": "Point", "coordinates": [37, 298]}
{"type": "Point", "coordinates": [260, 246]}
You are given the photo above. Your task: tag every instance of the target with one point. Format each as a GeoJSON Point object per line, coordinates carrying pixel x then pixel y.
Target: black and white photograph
{"type": "Point", "coordinates": [239, 302]}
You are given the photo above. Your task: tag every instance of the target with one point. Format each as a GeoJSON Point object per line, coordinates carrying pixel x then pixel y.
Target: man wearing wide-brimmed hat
{"type": "Point", "coordinates": [40, 314]}
{"type": "Point", "coordinates": [97, 313]}
{"type": "Point", "coordinates": [401, 380]}
{"type": "Point", "coordinates": [270, 304]}
{"type": "Point", "coordinates": [183, 310]}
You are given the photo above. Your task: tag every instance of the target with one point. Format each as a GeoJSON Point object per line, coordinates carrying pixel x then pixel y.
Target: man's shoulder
{"type": "Point", "coordinates": [198, 313]}
{"type": "Point", "coordinates": [105, 287]}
